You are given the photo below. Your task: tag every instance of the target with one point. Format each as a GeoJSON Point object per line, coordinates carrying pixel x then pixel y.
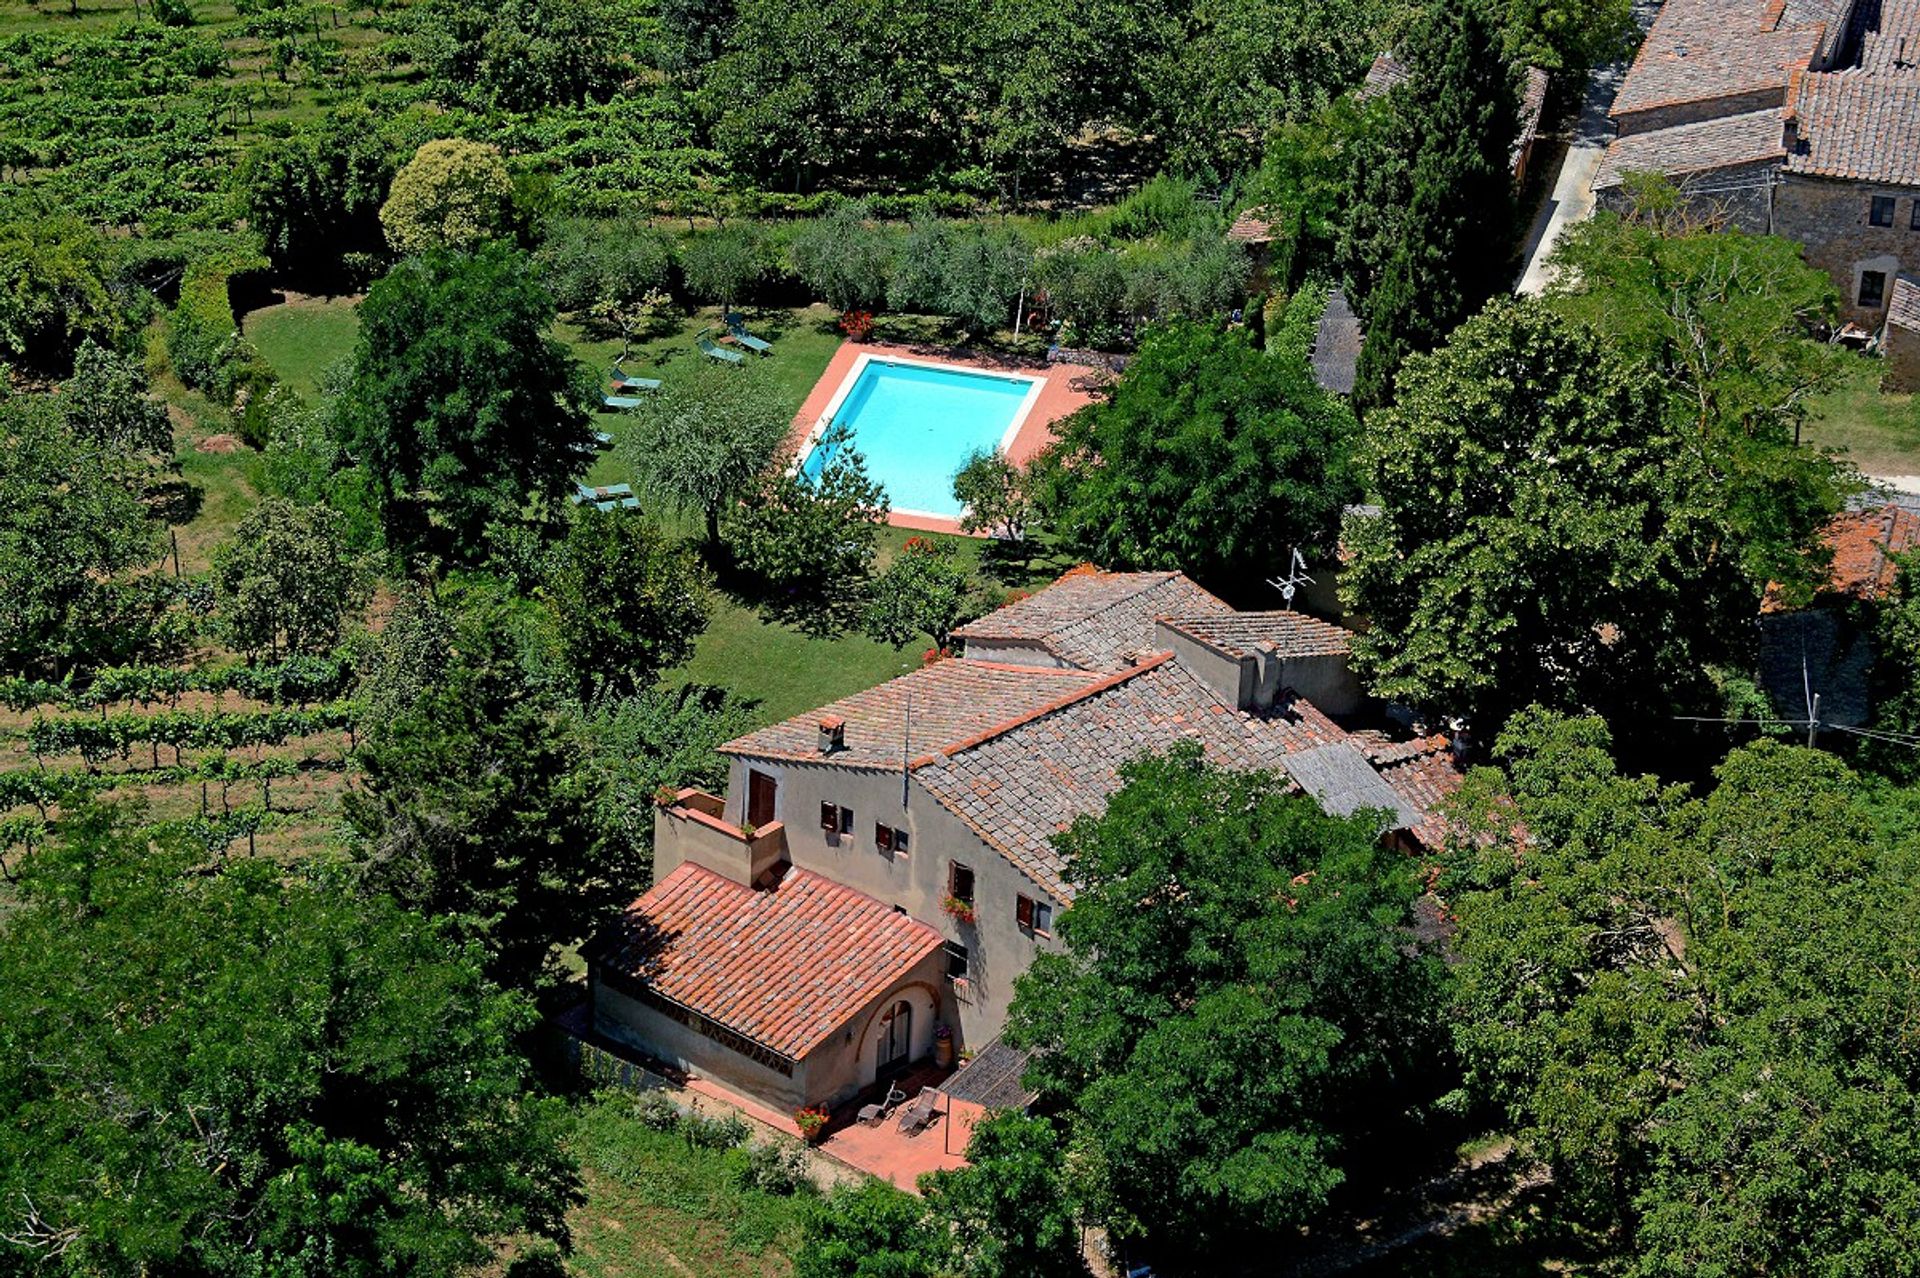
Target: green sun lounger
{"type": "Point", "coordinates": [714, 350]}
{"type": "Point", "coordinates": [621, 403]}
{"type": "Point", "coordinates": [737, 326]}
{"type": "Point", "coordinates": [623, 380]}
{"type": "Point", "coordinates": [610, 497]}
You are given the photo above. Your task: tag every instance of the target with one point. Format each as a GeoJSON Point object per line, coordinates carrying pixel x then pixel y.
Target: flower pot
{"type": "Point", "coordinates": [943, 1052]}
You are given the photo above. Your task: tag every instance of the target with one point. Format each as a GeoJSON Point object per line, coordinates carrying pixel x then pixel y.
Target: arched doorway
{"type": "Point", "coordinates": [896, 1038]}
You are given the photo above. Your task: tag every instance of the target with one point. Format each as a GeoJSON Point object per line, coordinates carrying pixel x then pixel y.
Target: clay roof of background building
{"type": "Point", "coordinates": [1389, 72]}
{"type": "Point", "coordinates": [1021, 788]}
{"type": "Point", "coordinates": [1423, 773]}
{"type": "Point", "coordinates": [1863, 543]}
{"type": "Point", "coordinates": [1701, 50]}
{"type": "Point", "coordinates": [1903, 307]}
{"type": "Point", "coordinates": [952, 701]}
{"type": "Point", "coordinates": [1386, 73]}
{"type": "Point", "coordinates": [1244, 634]}
{"type": "Point", "coordinates": [1855, 125]}
{"type": "Point", "coordinates": [1251, 227]}
{"type": "Point", "coordinates": [784, 967]}
{"type": "Point", "coordinates": [1344, 782]}
{"type": "Point", "coordinates": [1095, 620]}
{"type": "Point", "coordinates": [1693, 148]}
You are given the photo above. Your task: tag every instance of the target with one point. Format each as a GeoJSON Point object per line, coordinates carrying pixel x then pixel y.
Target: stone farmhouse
{"type": "Point", "coordinates": [1790, 117]}
{"type": "Point", "coordinates": [884, 865]}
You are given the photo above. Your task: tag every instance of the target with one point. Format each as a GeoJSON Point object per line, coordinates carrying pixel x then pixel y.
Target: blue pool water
{"type": "Point", "coordinates": [916, 426]}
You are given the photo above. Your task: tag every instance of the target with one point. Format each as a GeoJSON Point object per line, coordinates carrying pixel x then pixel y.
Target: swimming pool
{"type": "Point", "coordinates": [917, 423]}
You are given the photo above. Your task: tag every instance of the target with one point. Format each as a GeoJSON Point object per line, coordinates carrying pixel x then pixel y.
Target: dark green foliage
{"type": "Point", "coordinates": [203, 338]}
{"type": "Point", "coordinates": [721, 266]}
{"type": "Point", "coordinates": [1210, 457]}
{"type": "Point", "coordinates": [314, 197]}
{"type": "Point", "coordinates": [1430, 214]}
{"type": "Point", "coordinates": [1568, 36]}
{"type": "Point", "coordinates": [923, 591]}
{"type": "Point", "coordinates": [234, 1070]}
{"type": "Point", "coordinates": [54, 293]}
{"type": "Point", "coordinates": [1725, 322]}
{"type": "Point", "coordinates": [461, 406]}
{"type": "Point", "coordinates": [870, 1230]}
{"type": "Point", "coordinates": [71, 531]}
{"type": "Point", "coordinates": [1011, 1209]}
{"type": "Point", "coordinates": [658, 739]}
{"type": "Point", "coordinates": [809, 539]}
{"type": "Point", "coordinates": [478, 803]}
{"type": "Point", "coordinates": [1499, 573]}
{"type": "Point", "coordinates": [286, 580]}
{"type": "Point", "coordinates": [844, 258]}
{"type": "Point", "coordinates": [970, 275]}
{"type": "Point", "coordinates": [584, 261]}
{"type": "Point", "coordinates": [522, 55]}
{"type": "Point", "coordinates": [1896, 675]}
{"type": "Point", "coordinates": [105, 404]}
{"type": "Point", "coordinates": [627, 602]}
{"type": "Point", "coordinates": [998, 495]}
{"type": "Point", "coordinates": [1696, 1009]}
{"type": "Point", "coordinates": [1221, 1054]}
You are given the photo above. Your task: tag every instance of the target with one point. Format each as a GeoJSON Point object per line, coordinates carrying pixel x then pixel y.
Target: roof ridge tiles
{"type": "Point", "coordinates": [1058, 704]}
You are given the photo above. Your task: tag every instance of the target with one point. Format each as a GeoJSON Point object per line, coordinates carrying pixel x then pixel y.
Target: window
{"type": "Point", "coordinates": [1873, 287]}
{"type": "Point", "coordinates": [891, 841]}
{"type": "Point", "coordinates": [956, 961]}
{"type": "Point", "coordinates": [1881, 211]}
{"type": "Point", "coordinates": [1913, 218]}
{"type": "Point", "coordinates": [1032, 915]}
{"type": "Point", "coordinates": [960, 882]}
{"type": "Point", "coordinates": [835, 820]}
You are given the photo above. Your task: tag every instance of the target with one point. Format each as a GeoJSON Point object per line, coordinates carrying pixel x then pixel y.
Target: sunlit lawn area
{"type": "Point", "coordinates": [1880, 431]}
{"type": "Point", "coordinates": [304, 338]}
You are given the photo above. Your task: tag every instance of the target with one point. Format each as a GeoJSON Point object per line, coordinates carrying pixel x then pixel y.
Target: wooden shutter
{"type": "Point", "coordinates": [1023, 911]}
{"type": "Point", "coordinates": [830, 818]}
{"type": "Point", "coordinates": [882, 837]}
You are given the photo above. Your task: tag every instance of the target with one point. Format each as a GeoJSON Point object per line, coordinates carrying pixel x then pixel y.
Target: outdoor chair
{"type": "Point", "coordinates": [714, 350]}
{"type": "Point", "coordinates": [919, 1116]}
{"type": "Point", "coordinates": [623, 380]}
{"type": "Point", "coordinates": [737, 326]}
{"type": "Point", "coordinates": [621, 403]}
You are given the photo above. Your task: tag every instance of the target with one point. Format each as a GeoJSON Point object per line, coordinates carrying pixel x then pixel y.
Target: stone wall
{"type": "Point", "coordinates": [1665, 117]}
{"type": "Point", "coordinates": [1744, 207]}
{"type": "Point", "coordinates": [1902, 350]}
{"type": "Point", "coordinates": [1829, 216]}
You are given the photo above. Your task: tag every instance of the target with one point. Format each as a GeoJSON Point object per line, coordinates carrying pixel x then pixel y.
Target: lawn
{"type": "Point", "coordinates": [303, 338]}
{"type": "Point", "coordinates": [1878, 430]}
{"type": "Point", "coordinates": [659, 1207]}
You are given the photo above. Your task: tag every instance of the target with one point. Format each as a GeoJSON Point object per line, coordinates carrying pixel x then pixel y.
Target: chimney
{"type": "Point", "coordinates": [1790, 133]}
{"type": "Point", "coordinates": [833, 733]}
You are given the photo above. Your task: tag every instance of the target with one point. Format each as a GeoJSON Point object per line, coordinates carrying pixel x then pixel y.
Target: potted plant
{"type": "Point", "coordinates": [666, 796]}
{"type": "Point", "coordinates": [812, 1123]}
{"type": "Point", "coordinates": [958, 910]}
{"type": "Point", "coordinates": [942, 1045]}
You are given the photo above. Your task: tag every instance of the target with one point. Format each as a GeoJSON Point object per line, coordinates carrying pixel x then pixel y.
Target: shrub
{"type": "Point", "coordinates": [773, 1169]}
{"type": "Point", "coordinates": [657, 1111]}
{"type": "Point", "coordinates": [202, 338]}
{"type": "Point", "coordinates": [723, 1132]}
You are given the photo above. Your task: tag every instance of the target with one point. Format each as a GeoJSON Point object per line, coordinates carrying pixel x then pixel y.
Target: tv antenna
{"type": "Point", "coordinates": [1296, 577]}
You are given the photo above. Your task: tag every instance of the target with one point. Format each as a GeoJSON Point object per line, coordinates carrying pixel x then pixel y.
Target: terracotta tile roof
{"type": "Point", "coordinates": [1252, 227]}
{"type": "Point", "coordinates": [1424, 776]}
{"type": "Point", "coordinates": [1701, 50]}
{"type": "Point", "coordinates": [1863, 542]}
{"type": "Point", "coordinates": [1095, 620]}
{"type": "Point", "coordinates": [1903, 305]}
{"type": "Point", "coordinates": [1341, 779]}
{"type": "Point", "coordinates": [1244, 634]}
{"type": "Point", "coordinates": [952, 701]}
{"type": "Point", "coordinates": [1024, 786]}
{"type": "Point", "coordinates": [1693, 148]}
{"type": "Point", "coordinates": [1386, 73]}
{"type": "Point", "coordinates": [1855, 125]}
{"type": "Point", "coordinates": [784, 967]}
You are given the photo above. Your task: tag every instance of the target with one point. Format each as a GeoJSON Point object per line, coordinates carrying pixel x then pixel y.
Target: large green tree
{"type": "Point", "coordinates": [287, 579]}
{"type": "Point", "coordinates": [1726, 322]}
{"type": "Point", "coordinates": [1222, 1054]}
{"type": "Point", "coordinates": [1430, 215]}
{"type": "Point", "coordinates": [224, 1070]}
{"type": "Point", "coordinates": [315, 194]}
{"type": "Point", "coordinates": [522, 55]}
{"type": "Point", "coordinates": [477, 802]}
{"type": "Point", "coordinates": [1209, 457]}
{"type": "Point", "coordinates": [1011, 1208]}
{"type": "Point", "coordinates": [72, 532]}
{"type": "Point", "coordinates": [54, 293]}
{"type": "Point", "coordinates": [106, 403]}
{"type": "Point", "coordinates": [704, 439]}
{"type": "Point", "coordinates": [807, 535]}
{"type": "Point", "coordinates": [1696, 1010]}
{"type": "Point", "coordinates": [1542, 534]}
{"type": "Point", "coordinates": [460, 404]}
{"type": "Point", "coordinates": [627, 601]}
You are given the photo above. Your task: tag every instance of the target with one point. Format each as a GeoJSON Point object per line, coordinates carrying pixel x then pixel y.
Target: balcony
{"type": "Point", "coordinates": [692, 828]}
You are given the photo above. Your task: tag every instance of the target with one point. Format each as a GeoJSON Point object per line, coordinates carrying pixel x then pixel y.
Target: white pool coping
{"type": "Point", "coordinates": [1020, 414]}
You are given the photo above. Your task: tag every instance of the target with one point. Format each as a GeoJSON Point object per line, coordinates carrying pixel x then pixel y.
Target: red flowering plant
{"type": "Point", "coordinates": [933, 655]}
{"type": "Point", "coordinates": [857, 325]}
{"type": "Point", "coordinates": [810, 1121]}
{"type": "Point", "coordinates": [958, 910]}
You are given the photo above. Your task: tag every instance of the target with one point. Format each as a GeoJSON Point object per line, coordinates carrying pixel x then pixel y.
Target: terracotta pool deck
{"type": "Point", "coordinates": [1065, 388]}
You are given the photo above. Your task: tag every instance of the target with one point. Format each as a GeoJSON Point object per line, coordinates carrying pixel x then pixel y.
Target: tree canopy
{"type": "Point", "coordinates": [224, 1069]}
{"type": "Point", "coordinates": [627, 602]}
{"type": "Point", "coordinates": [1209, 457]}
{"type": "Point", "coordinates": [1221, 1055]}
{"type": "Point", "coordinates": [460, 405]}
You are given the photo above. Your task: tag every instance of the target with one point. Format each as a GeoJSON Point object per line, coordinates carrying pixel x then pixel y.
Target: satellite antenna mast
{"type": "Point", "coordinates": [1296, 577]}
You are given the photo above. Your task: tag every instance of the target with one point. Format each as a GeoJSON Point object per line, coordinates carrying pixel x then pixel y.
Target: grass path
{"type": "Point", "coordinates": [1879, 431]}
